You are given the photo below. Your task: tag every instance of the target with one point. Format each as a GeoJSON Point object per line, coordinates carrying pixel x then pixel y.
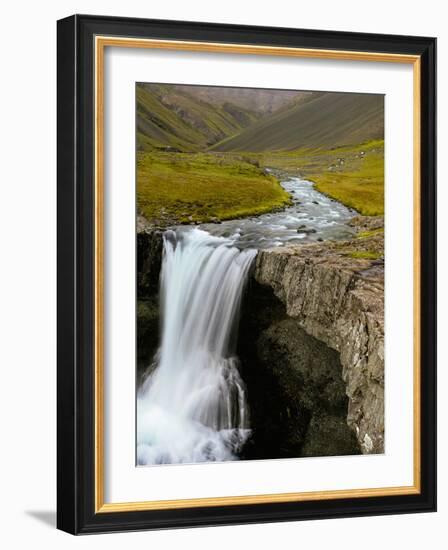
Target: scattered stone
{"type": "Point", "coordinates": [367, 223]}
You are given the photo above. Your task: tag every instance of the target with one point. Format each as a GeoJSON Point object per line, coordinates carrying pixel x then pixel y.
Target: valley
{"type": "Point", "coordinates": [260, 274]}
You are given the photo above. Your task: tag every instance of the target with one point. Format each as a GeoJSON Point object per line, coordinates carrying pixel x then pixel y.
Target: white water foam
{"type": "Point", "coordinates": [192, 406]}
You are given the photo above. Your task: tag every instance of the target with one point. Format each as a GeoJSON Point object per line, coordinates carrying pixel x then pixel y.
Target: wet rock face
{"type": "Point", "coordinates": [308, 372]}
{"type": "Point", "coordinates": [338, 299]}
{"type": "Point", "coordinates": [149, 261]}
{"type": "Point", "coordinates": [297, 397]}
{"type": "Point", "coordinates": [148, 321]}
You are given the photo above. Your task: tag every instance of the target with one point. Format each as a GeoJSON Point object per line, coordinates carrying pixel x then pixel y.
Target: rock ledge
{"type": "Point", "coordinates": [338, 297]}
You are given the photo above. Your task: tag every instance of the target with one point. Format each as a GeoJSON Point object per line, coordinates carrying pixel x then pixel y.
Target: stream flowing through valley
{"type": "Point", "coordinates": [192, 405]}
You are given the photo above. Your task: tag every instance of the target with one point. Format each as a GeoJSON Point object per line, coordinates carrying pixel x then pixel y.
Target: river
{"type": "Point", "coordinates": [192, 405]}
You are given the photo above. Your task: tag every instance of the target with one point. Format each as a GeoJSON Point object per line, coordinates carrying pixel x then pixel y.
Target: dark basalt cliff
{"type": "Point", "coordinates": [337, 297]}
{"type": "Point", "coordinates": [297, 398]}
{"type": "Point", "coordinates": [149, 261]}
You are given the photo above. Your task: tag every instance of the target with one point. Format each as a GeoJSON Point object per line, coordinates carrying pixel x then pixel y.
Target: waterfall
{"type": "Point", "coordinates": [192, 405]}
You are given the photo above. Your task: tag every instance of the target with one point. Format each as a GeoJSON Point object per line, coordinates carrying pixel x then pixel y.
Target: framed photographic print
{"type": "Point", "coordinates": [246, 274]}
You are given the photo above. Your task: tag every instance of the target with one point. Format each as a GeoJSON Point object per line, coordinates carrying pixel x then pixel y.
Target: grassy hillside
{"type": "Point", "coordinates": [322, 120]}
{"type": "Point", "coordinates": [244, 117]}
{"type": "Point", "coordinates": [359, 182]}
{"type": "Point", "coordinates": [172, 119]}
{"type": "Point", "coordinates": [159, 127]}
{"type": "Point", "coordinates": [191, 188]}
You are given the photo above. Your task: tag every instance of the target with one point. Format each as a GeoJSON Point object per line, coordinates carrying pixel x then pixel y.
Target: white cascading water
{"type": "Point", "coordinates": [192, 407]}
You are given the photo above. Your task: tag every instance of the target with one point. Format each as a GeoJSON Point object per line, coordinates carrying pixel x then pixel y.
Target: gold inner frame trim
{"type": "Point", "coordinates": [101, 42]}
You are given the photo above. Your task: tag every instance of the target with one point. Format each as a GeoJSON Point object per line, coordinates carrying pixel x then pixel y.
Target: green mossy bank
{"type": "Point", "coordinates": [203, 187]}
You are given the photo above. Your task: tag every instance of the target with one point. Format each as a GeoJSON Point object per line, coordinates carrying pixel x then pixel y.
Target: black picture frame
{"type": "Point", "coordinates": [76, 272]}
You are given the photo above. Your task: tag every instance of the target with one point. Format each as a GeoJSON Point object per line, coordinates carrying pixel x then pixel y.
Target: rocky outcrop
{"type": "Point", "coordinates": [297, 399]}
{"type": "Point", "coordinates": [334, 291]}
{"type": "Point", "coordinates": [149, 261]}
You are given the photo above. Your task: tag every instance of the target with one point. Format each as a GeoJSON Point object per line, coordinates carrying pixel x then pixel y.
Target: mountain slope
{"type": "Point", "coordinates": [324, 119]}
{"type": "Point", "coordinates": [170, 118]}
{"type": "Point", "coordinates": [159, 127]}
{"type": "Point", "coordinates": [258, 100]}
